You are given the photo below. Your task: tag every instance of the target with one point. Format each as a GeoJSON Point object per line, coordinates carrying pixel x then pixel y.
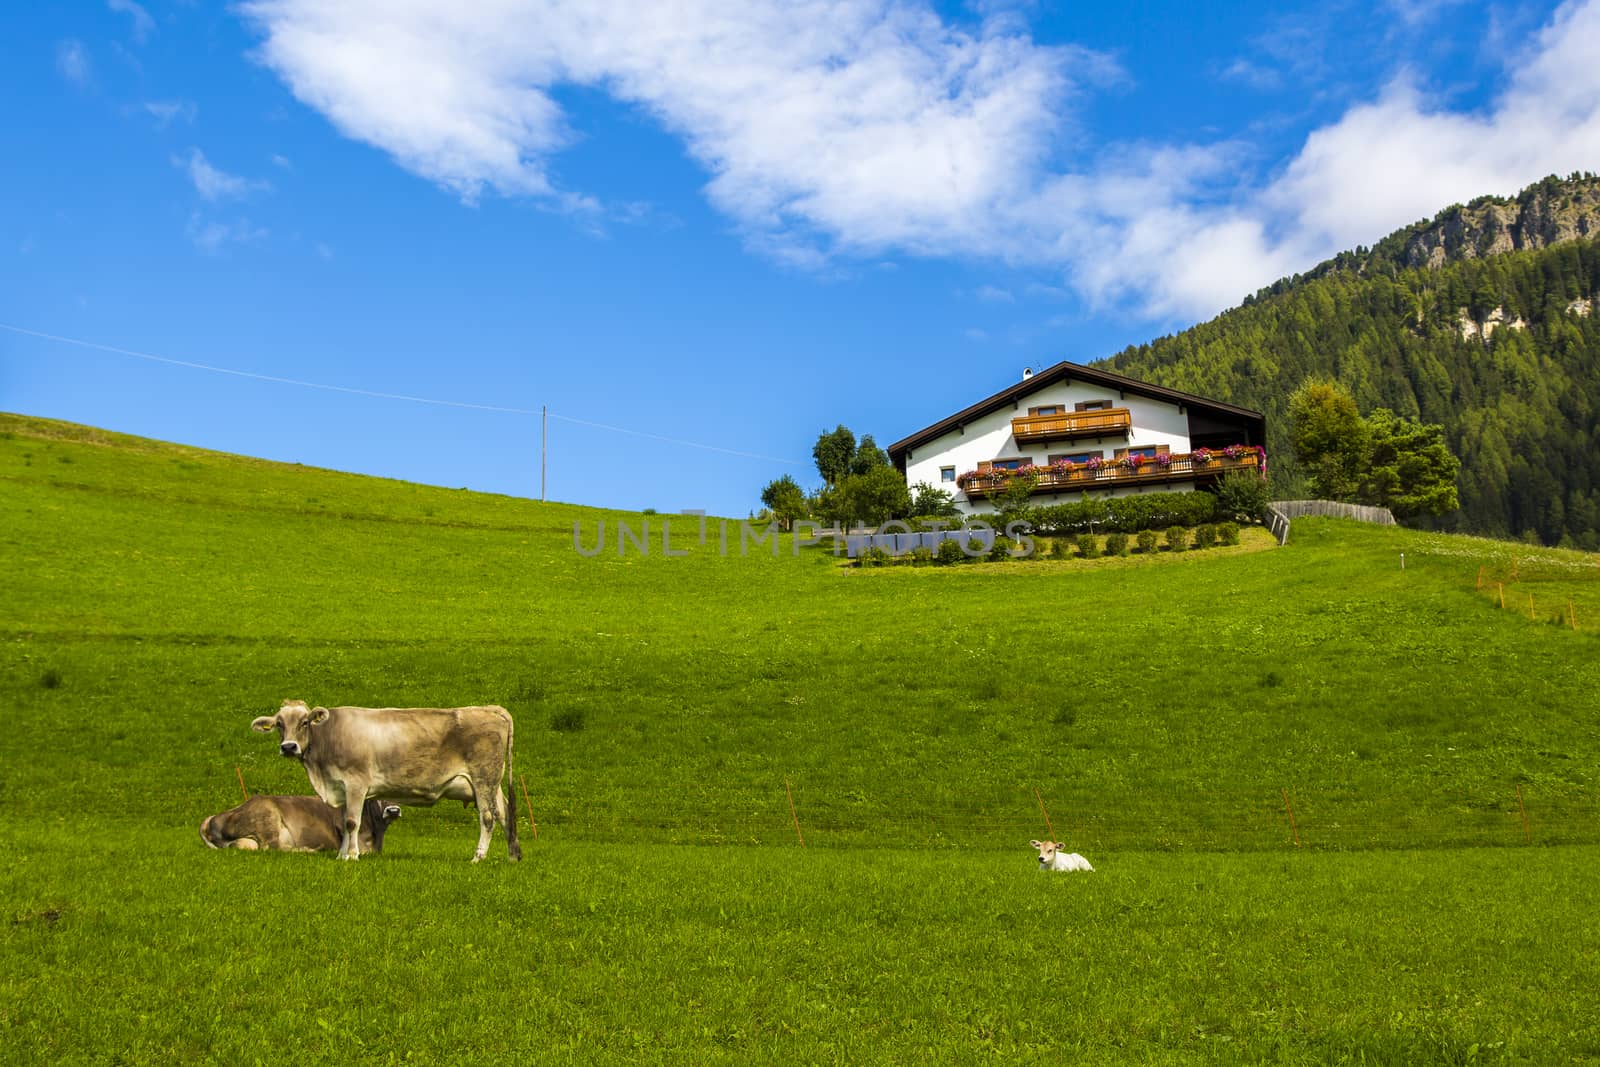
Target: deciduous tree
{"type": "Point", "coordinates": [1409, 469]}
{"type": "Point", "coordinates": [785, 500]}
{"type": "Point", "coordinates": [868, 456]}
{"type": "Point", "coordinates": [1328, 436]}
{"type": "Point", "coordinates": [872, 498]}
{"type": "Point", "coordinates": [833, 452]}
{"type": "Point", "coordinates": [929, 501]}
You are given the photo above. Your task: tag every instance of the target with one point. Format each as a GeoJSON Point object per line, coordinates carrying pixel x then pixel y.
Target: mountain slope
{"type": "Point", "coordinates": [1440, 322]}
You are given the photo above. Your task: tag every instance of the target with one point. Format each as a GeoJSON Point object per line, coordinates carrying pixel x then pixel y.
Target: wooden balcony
{"type": "Point", "coordinates": [1071, 426]}
{"type": "Point", "coordinates": [1113, 475]}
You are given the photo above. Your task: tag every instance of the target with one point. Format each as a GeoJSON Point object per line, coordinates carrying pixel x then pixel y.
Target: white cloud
{"type": "Point", "coordinates": [72, 62]}
{"type": "Point", "coordinates": [869, 127]}
{"type": "Point", "coordinates": [1416, 12]}
{"type": "Point", "coordinates": [993, 294]}
{"type": "Point", "coordinates": [164, 111]}
{"type": "Point", "coordinates": [214, 184]}
{"type": "Point", "coordinates": [1254, 75]}
{"type": "Point", "coordinates": [143, 24]}
{"type": "Point", "coordinates": [211, 235]}
{"type": "Point", "coordinates": [1403, 157]}
{"type": "Point", "coordinates": [866, 123]}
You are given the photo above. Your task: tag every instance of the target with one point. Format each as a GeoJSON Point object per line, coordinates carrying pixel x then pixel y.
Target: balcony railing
{"type": "Point", "coordinates": [1079, 477]}
{"type": "Point", "coordinates": [1070, 426]}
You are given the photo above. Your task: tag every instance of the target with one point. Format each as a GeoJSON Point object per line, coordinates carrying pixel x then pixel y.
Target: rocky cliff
{"type": "Point", "coordinates": [1545, 214]}
{"type": "Point", "coordinates": [1549, 212]}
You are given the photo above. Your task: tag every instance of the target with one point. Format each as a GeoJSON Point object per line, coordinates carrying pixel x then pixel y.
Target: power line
{"type": "Point", "coordinates": [263, 377]}
{"type": "Point", "coordinates": [674, 440]}
{"type": "Point", "coordinates": [385, 396]}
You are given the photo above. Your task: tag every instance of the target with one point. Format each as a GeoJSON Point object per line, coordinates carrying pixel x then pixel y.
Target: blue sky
{"type": "Point", "coordinates": [730, 226]}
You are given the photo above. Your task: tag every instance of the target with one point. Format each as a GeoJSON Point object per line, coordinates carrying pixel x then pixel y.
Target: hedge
{"type": "Point", "coordinates": [1125, 514]}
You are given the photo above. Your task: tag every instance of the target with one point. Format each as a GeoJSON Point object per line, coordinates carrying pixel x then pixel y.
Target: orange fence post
{"type": "Point", "coordinates": [1046, 814]}
{"type": "Point", "coordinates": [1480, 577]}
{"type": "Point", "coordinates": [1502, 587]}
{"type": "Point", "coordinates": [793, 815]}
{"type": "Point", "coordinates": [1526, 831]}
{"type": "Point", "coordinates": [1292, 825]}
{"type": "Point", "coordinates": [1530, 605]}
{"type": "Point", "coordinates": [242, 789]}
{"type": "Point", "coordinates": [529, 805]}
{"type": "Point", "coordinates": [1572, 616]}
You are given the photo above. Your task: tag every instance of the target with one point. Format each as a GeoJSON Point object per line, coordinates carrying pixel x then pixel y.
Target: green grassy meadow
{"type": "Point", "coordinates": [157, 598]}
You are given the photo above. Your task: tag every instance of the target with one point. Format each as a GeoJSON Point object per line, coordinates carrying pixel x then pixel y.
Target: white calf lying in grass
{"type": "Point", "coordinates": [1052, 857]}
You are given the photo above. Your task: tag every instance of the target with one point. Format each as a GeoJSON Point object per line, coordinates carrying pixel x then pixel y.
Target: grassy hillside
{"type": "Point", "coordinates": [177, 594]}
{"type": "Point", "coordinates": [157, 598]}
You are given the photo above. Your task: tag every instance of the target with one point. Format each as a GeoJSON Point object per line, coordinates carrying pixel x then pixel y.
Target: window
{"type": "Point", "coordinates": [947, 474]}
{"type": "Point", "coordinates": [1048, 409]}
{"type": "Point", "coordinates": [1092, 405]}
{"type": "Point", "coordinates": [1077, 457]}
{"type": "Point", "coordinates": [1003, 464]}
{"type": "Point", "coordinates": [1147, 451]}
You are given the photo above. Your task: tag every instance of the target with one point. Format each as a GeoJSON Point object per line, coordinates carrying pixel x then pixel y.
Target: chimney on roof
{"type": "Point", "coordinates": [1027, 372]}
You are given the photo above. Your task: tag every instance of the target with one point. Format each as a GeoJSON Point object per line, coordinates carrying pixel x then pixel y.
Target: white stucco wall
{"type": "Point", "coordinates": [1155, 422]}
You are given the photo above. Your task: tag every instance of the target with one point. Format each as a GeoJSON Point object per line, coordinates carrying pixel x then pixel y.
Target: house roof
{"type": "Point", "coordinates": [1061, 372]}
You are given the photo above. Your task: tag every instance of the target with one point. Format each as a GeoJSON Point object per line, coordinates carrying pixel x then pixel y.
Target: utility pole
{"type": "Point", "coordinates": [544, 445]}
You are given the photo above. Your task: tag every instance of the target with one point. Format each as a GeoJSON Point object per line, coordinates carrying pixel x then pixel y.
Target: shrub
{"type": "Point", "coordinates": [1001, 548]}
{"type": "Point", "coordinates": [1147, 540]}
{"type": "Point", "coordinates": [928, 502]}
{"type": "Point", "coordinates": [1177, 538]}
{"type": "Point", "coordinates": [1088, 546]}
{"type": "Point", "coordinates": [567, 722]}
{"type": "Point", "coordinates": [529, 692]}
{"type": "Point", "coordinates": [1060, 548]}
{"type": "Point", "coordinates": [1117, 544]}
{"type": "Point", "coordinates": [874, 557]}
{"type": "Point", "coordinates": [1069, 518]}
{"type": "Point", "coordinates": [949, 552]}
{"type": "Point", "coordinates": [1205, 536]}
{"type": "Point", "coordinates": [976, 550]}
{"type": "Point", "coordinates": [1228, 533]}
{"type": "Point", "coordinates": [921, 556]}
{"type": "Point", "coordinates": [1128, 514]}
{"type": "Point", "coordinates": [1242, 496]}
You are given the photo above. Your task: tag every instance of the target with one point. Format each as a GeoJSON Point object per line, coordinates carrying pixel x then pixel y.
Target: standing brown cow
{"type": "Point", "coordinates": [405, 755]}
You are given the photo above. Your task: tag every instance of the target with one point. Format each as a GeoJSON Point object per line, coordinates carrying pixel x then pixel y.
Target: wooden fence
{"type": "Point", "coordinates": [1280, 512]}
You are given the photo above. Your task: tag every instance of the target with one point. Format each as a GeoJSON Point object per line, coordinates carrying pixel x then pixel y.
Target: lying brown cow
{"type": "Point", "coordinates": [404, 755]}
{"type": "Point", "coordinates": [292, 824]}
